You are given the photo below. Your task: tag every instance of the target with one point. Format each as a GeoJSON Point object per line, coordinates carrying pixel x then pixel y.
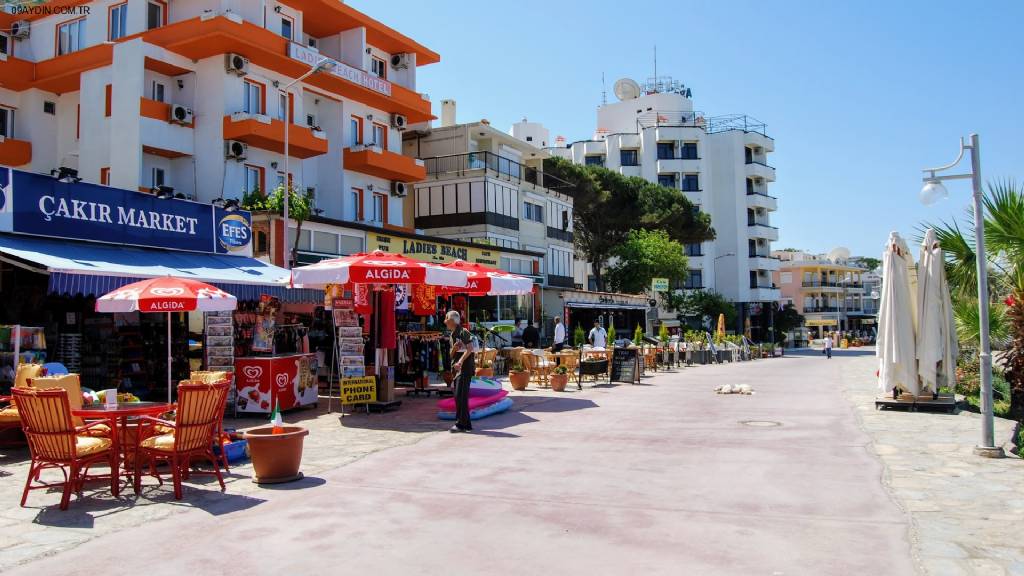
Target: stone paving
{"type": "Point", "coordinates": [966, 511]}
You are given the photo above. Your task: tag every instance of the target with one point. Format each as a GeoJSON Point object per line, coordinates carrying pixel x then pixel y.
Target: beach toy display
{"type": "Point", "coordinates": [486, 397]}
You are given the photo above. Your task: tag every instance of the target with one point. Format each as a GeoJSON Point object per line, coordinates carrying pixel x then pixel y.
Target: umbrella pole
{"type": "Point", "coordinates": [168, 357]}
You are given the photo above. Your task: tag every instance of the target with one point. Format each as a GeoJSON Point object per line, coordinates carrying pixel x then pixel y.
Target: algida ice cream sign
{"type": "Point", "coordinates": [42, 205]}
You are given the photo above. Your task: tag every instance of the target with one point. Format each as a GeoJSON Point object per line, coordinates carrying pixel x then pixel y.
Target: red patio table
{"type": "Point", "coordinates": [119, 414]}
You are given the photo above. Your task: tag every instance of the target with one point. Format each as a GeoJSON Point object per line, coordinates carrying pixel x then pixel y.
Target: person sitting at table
{"type": "Point", "coordinates": [531, 336]}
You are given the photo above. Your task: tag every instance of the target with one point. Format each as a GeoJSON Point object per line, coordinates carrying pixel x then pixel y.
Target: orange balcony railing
{"type": "Point", "coordinates": [384, 164]}
{"type": "Point", "coordinates": [257, 132]}
{"type": "Point", "coordinates": [15, 152]}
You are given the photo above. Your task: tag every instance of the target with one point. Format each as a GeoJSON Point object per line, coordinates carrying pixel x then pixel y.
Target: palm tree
{"type": "Point", "coordinates": [1004, 242]}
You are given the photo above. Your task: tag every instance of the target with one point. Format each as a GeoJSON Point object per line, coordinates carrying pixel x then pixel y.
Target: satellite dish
{"type": "Point", "coordinates": [626, 89]}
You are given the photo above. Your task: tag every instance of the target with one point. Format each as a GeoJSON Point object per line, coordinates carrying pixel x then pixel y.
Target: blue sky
{"type": "Point", "coordinates": [859, 96]}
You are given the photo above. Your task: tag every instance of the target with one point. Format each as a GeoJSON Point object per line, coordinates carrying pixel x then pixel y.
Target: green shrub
{"type": "Point", "coordinates": [663, 333]}
{"type": "Point", "coordinates": [578, 336]}
{"type": "Point", "coordinates": [611, 334]}
{"type": "Point", "coordinates": [638, 335]}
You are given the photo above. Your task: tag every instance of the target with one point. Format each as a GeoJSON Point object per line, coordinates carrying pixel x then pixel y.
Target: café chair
{"type": "Point", "coordinates": [200, 409]}
{"type": "Point", "coordinates": [216, 377]}
{"type": "Point", "coordinates": [72, 384]}
{"type": "Point", "coordinates": [10, 419]}
{"type": "Point", "coordinates": [55, 441]}
{"type": "Point", "coordinates": [538, 364]}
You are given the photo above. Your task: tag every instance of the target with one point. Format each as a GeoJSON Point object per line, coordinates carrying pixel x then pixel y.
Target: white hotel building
{"type": "Point", "coordinates": [193, 95]}
{"type": "Point", "coordinates": [719, 163]}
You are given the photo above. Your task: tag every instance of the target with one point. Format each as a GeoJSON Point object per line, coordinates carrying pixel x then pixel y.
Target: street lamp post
{"type": "Point", "coordinates": [932, 192]}
{"type": "Point", "coordinates": [325, 63]}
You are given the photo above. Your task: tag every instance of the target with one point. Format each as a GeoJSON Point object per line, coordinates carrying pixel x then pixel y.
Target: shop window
{"type": "Point", "coordinates": [378, 67]}
{"type": "Point", "coordinates": [156, 14]}
{"type": "Point", "coordinates": [117, 22]}
{"type": "Point", "coordinates": [254, 97]}
{"type": "Point", "coordinates": [7, 122]}
{"type": "Point", "coordinates": [71, 36]}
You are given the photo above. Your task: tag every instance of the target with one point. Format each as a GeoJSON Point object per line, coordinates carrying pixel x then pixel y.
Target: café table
{"type": "Point", "coordinates": [119, 414]}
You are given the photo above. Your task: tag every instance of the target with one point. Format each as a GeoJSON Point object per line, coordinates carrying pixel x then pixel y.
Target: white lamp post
{"type": "Point", "coordinates": [932, 192]}
{"type": "Point", "coordinates": [325, 63]}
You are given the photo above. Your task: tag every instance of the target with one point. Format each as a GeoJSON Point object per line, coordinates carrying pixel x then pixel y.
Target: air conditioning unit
{"type": "Point", "coordinates": [311, 42]}
{"type": "Point", "coordinates": [21, 29]}
{"type": "Point", "coordinates": [398, 121]}
{"type": "Point", "coordinates": [399, 189]}
{"type": "Point", "coordinates": [236, 64]}
{"type": "Point", "coordinates": [180, 114]}
{"type": "Point", "coordinates": [235, 150]}
{"type": "Point", "coordinates": [399, 61]}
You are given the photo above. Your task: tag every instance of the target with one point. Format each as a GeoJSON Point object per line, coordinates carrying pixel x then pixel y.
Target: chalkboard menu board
{"type": "Point", "coordinates": [625, 366]}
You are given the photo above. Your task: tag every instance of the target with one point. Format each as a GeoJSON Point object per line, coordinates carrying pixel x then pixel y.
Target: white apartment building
{"type": "Point", "coordinates": [719, 163]}
{"type": "Point", "coordinates": [486, 186]}
{"type": "Point", "coordinates": [193, 95]}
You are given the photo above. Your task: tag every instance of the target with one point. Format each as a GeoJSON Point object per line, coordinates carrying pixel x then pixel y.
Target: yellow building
{"type": "Point", "coordinates": [827, 290]}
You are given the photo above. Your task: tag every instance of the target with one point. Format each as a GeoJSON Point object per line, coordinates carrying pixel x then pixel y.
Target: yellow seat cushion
{"type": "Point", "coordinates": [87, 445]}
{"type": "Point", "coordinates": [9, 415]}
{"type": "Point", "coordinates": [100, 431]}
{"type": "Point", "coordinates": [163, 442]}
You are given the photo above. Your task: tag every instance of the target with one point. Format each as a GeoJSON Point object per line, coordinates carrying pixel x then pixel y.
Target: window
{"type": "Point", "coordinates": [49, 107]}
{"type": "Point", "coordinates": [356, 204]}
{"type": "Point", "coordinates": [156, 14]}
{"type": "Point", "coordinates": [5, 44]}
{"type": "Point", "coordinates": [691, 183]}
{"type": "Point", "coordinates": [105, 176]}
{"type": "Point", "coordinates": [279, 180]}
{"type": "Point", "coordinates": [689, 151]}
{"type": "Point", "coordinates": [326, 242]}
{"type": "Point", "coordinates": [380, 135]}
{"type": "Point", "coordinates": [286, 27]}
{"type": "Point", "coordinates": [254, 179]}
{"type": "Point", "coordinates": [7, 122]}
{"type": "Point", "coordinates": [693, 249]}
{"type": "Point", "coordinates": [253, 97]}
{"type": "Point", "coordinates": [667, 180]}
{"type": "Point", "coordinates": [594, 160]}
{"type": "Point", "coordinates": [117, 21]}
{"type": "Point", "coordinates": [748, 155]}
{"type": "Point", "coordinates": [378, 67]}
{"type": "Point", "coordinates": [533, 212]}
{"type": "Point", "coordinates": [380, 208]}
{"type": "Point", "coordinates": [694, 280]}
{"type": "Point", "coordinates": [282, 106]}
{"type": "Point", "coordinates": [158, 177]}
{"type": "Point", "coordinates": [311, 121]}
{"type": "Point", "coordinates": [311, 194]}
{"type": "Point", "coordinates": [666, 150]}
{"type": "Point", "coordinates": [628, 158]}
{"type": "Point", "coordinates": [355, 131]}
{"type": "Point", "coordinates": [71, 36]}
{"type": "Point", "coordinates": [157, 91]}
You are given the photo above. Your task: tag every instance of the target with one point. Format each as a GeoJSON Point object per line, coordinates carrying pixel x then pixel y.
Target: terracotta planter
{"type": "Point", "coordinates": [276, 457]}
{"type": "Point", "coordinates": [488, 372]}
{"type": "Point", "coordinates": [519, 380]}
{"type": "Point", "coordinates": [558, 382]}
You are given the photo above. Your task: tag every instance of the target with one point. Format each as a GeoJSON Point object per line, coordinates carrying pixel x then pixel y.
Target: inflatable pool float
{"type": "Point", "coordinates": [481, 412]}
{"type": "Point", "coordinates": [477, 399]}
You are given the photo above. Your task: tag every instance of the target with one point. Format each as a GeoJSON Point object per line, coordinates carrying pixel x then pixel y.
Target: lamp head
{"type": "Point", "coordinates": [933, 191]}
{"type": "Point", "coordinates": [326, 65]}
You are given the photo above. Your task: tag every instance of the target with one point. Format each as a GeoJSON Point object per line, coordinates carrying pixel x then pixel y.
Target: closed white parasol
{"type": "Point", "coordinates": [896, 347]}
{"type": "Point", "coordinates": [936, 332]}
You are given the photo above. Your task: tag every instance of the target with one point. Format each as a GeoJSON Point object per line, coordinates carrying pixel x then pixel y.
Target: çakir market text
{"type": "Point", "coordinates": [52, 207]}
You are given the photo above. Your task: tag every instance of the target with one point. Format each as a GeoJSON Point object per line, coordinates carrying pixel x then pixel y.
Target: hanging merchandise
{"type": "Point", "coordinates": [361, 297]}
{"type": "Point", "coordinates": [424, 300]}
{"type": "Point", "coordinates": [263, 335]}
{"type": "Point", "coordinates": [402, 296]}
{"type": "Point", "coordinates": [386, 320]}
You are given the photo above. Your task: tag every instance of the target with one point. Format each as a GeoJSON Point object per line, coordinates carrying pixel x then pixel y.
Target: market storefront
{"type": "Point", "coordinates": [65, 243]}
{"type": "Point", "coordinates": [623, 311]}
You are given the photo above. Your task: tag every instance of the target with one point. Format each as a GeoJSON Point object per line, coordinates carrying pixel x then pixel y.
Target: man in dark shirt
{"type": "Point", "coordinates": [465, 367]}
{"type": "Point", "coordinates": [531, 337]}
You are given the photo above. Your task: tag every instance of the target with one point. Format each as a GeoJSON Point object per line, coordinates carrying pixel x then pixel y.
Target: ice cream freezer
{"type": "Point", "coordinates": [263, 381]}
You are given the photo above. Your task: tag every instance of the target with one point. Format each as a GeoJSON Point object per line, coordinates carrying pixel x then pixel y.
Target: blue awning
{"type": "Point", "coordinates": [95, 269]}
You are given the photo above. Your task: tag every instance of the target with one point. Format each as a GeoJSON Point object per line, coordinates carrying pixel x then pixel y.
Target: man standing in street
{"type": "Point", "coordinates": [465, 368]}
{"type": "Point", "coordinates": [531, 336]}
{"type": "Point", "coordinates": [559, 341]}
{"type": "Point", "coordinates": [598, 337]}
{"type": "Point", "coordinates": [828, 346]}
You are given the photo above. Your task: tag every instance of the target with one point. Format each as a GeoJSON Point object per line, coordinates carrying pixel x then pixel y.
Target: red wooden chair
{"type": "Point", "coordinates": [55, 442]}
{"type": "Point", "coordinates": [10, 420]}
{"type": "Point", "coordinates": [200, 409]}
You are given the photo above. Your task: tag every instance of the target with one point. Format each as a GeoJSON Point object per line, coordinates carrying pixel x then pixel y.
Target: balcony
{"type": "Point", "coordinates": [158, 111]}
{"type": "Point", "coordinates": [764, 262]}
{"type": "Point", "coordinates": [821, 309]}
{"type": "Point", "coordinates": [762, 200]}
{"type": "Point", "coordinates": [764, 294]}
{"type": "Point", "coordinates": [262, 132]}
{"type": "Point", "coordinates": [559, 234]}
{"type": "Point", "coordinates": [758, 139]}
{"type": "Point", "coordinates": [759, 230]}
{"type": "Point", "coordinates": [384, 164]}
{"type": "Point", "coordinates": [561, 281]}
{"type": "Point", "coordinates": [15, 152]}
{"type": "Point", "coordinates": [480, 163]}
{"type": "Point", "coordinates": [757, 169]}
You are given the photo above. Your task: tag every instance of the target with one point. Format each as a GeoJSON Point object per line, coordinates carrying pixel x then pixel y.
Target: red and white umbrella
{"type": "Point", "coordinates": [166, 294]}
{"type": "Point", "coordinates": [377, 268]}
{"type": "Point", "coordinates": [487, 281]}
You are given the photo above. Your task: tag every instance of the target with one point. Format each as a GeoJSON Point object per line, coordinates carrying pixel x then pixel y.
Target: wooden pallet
{"type": "Point", "coordinates": [927, 403]}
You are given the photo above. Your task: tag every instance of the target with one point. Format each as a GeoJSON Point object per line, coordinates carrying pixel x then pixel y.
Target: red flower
{"type": "Point", "coordinates": [1010, 301]}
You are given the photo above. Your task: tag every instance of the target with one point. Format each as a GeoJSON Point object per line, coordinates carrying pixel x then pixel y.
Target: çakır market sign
{"type": "Point", "coordinates": [432, 251]}
{"type": "Point", "coordinates": [46, 207]}
{"type": "Point", "coordinates": [341, 70]}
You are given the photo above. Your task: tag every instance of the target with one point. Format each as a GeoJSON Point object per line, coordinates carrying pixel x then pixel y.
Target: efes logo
{"type": "Point", "coordinates": [233, 232]}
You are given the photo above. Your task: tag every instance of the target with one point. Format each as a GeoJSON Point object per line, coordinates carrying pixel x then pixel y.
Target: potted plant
{"type": "Point", "coordinates": [611, 334]}
{"type": "Point", "coordinates": [638, 335]}
{"type": "Point", "coordinates": [485, 369]}
{"type": "Point", "coordinates": [276, 457]}
{"type": "Point", "coordinates": [559, 379]}
{"type": "Point", "coordinates": [663, 335]}
{"type": "Point", "coordinates": [518, 376]}
{"type": "Point", "coordinates": [578, 336]}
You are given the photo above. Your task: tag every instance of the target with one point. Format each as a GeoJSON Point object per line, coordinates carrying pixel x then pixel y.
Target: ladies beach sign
{"type": "Point", "coordinates": [44, 206]}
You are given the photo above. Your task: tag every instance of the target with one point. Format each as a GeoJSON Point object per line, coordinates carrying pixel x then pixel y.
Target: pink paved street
{"type": "Point", "coordinates": [661, 478]}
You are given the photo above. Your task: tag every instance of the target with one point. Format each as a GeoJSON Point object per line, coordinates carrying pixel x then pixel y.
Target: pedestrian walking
{"type": "Point", "coordinates": [828, 346]}
{"type": "Point", "coordinates": [531, 336]}
{"type": "Point", "coordinates": [559, 340]}
{"type": "Point", "coordinates": [598, 337]}
{"type": "Point", "coordinates": [517, 334]}
{"type": "Point", "coordinates": [465, 368]}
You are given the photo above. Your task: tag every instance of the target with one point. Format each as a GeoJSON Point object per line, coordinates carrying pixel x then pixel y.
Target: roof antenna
{"type": "Point", "coordinates": [655, 64]}
{"type": "Point", "coordinates": [604, 91]}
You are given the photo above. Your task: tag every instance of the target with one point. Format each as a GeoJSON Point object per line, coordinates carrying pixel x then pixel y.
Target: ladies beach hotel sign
{"type": "Point", "coordinates": [354, 75]}
{"type": "Point", "coordinates": [44, 206]}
